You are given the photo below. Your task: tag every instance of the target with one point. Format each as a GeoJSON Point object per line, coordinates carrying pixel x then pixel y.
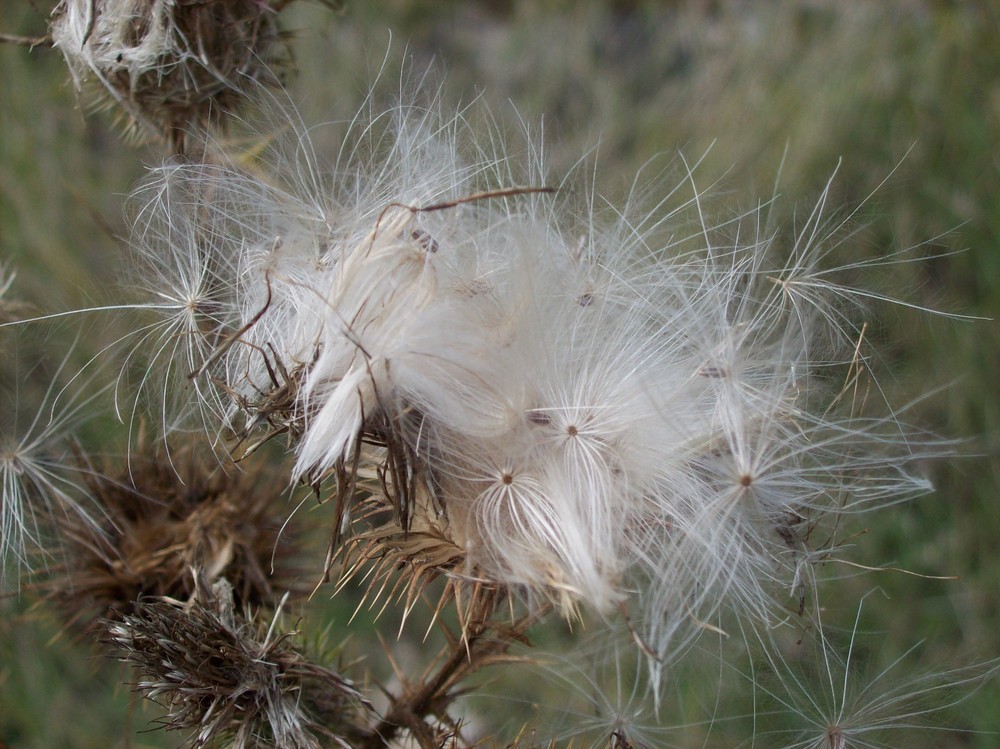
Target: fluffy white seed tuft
{"type": "Point", "coordinates": [599, 413]}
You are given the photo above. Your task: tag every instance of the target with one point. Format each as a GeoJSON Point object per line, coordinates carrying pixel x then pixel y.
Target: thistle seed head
{"type": "Point", "coordinates": [172, 66]}
{"type": "Point", "coordinates": [413, 322]}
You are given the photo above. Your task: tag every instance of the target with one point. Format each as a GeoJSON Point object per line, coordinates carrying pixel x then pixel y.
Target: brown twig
{"type": "Point", "coordinates": [482, 643]}
{"type": "Point", "coordinates": [26, 41]}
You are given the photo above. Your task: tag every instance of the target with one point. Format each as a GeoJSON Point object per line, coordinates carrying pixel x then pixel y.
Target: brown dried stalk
{"type": "Point", "coordinates": [26, 41]}
{"type": "Point", "coordinates": [420, 709]}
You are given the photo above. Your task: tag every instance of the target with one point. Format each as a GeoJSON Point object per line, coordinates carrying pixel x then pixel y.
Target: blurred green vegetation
{"type": "Point", "coordinates": [903, 95]}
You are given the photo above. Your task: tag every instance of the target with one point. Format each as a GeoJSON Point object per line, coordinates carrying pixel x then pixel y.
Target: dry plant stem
{"type": "Point", "coordinates": [26, 41]}
{"type": "Point", "coordinates": [483, 642]}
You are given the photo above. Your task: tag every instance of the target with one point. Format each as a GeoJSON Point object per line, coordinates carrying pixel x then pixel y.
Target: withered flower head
{"type": "Point", "coordinates": [231, 680]}
{"type": "Point", "coordinates": [171, 64]}
{"type": "Point", "coordinates": [166, 515]}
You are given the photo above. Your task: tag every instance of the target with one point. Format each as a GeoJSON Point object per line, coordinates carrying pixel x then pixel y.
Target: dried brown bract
{"type": "Point", "coordinates": [397, 564]}
{"type": "Point", "coordinates": [165, 515]}
{"type": "Point", "coordinates": [232, 680]}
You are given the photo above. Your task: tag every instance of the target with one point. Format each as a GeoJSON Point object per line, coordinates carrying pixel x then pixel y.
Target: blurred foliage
{"type": "Point", "coordinates": [903, 95]}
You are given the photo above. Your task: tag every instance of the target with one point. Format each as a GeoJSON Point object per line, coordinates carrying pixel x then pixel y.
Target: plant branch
{"type": "Point", "coordinates": [26, 41]}
{"type": "Point", "coordinates": [482, 643]}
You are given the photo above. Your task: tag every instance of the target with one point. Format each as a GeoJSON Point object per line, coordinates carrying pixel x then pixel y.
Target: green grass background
{"type": "Point", "coordinates": [903, 94]}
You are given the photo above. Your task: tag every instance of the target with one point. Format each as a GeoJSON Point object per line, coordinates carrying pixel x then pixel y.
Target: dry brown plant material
{"type": "Point", "coordinates": [233, 680]}
{"type": "Point", "coordinates": [419, 709]}
{"type": "Point", "coordinates": [163, 516]}
{"type": "Point", "coordinates": [172, 66]}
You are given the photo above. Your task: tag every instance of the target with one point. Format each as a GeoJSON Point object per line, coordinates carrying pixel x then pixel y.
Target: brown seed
{"type": "Point", "coordinates": [539, 417]}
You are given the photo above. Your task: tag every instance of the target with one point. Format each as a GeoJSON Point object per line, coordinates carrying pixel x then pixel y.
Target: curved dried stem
{"type": "Point", "coordinates": [420, 707]}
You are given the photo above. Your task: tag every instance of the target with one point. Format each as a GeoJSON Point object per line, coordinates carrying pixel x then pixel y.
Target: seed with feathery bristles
{"type": "Point", "coordinates": [40, 481]}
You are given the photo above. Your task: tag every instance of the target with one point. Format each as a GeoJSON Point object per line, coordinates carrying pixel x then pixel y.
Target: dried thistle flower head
{"type": "Point", "coordinates": [232, 680]}
{"type": "Point", "coordinates": [164, 515]}
{"type": "Point", "coordinates": [171, 65]}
